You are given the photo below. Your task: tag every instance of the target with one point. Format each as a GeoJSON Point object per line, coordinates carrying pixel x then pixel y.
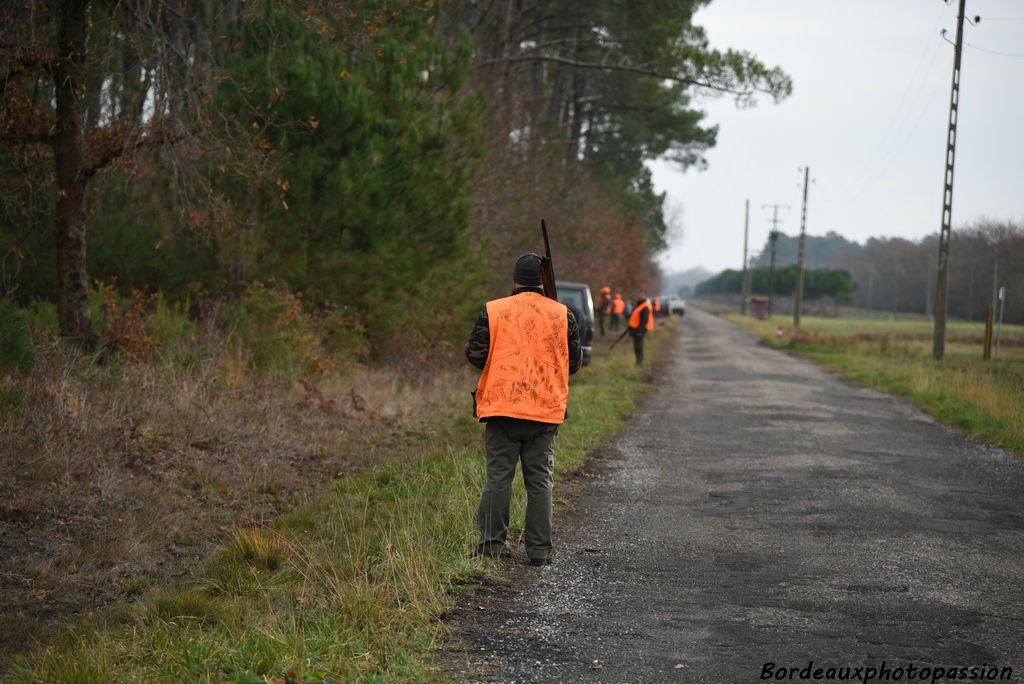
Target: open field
{"type": "Point", "coordinates": [982, 399]}
{"type": "Point", "coordinates": [349, 585]}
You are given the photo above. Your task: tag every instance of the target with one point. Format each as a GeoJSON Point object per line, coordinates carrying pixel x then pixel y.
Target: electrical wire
{"type": "Point", "coordinates": [895, 151]}
{"type": "Point", "coordinates": [994, 52]}
{"type": "Point", "coordinates": [914, 86]}
{"type": "Point", "coordinates": [901, 135]}
{"type": "Point", "coordinates": [881, 160]}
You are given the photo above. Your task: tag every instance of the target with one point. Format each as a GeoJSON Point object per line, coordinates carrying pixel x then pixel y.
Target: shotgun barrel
{"type": "Point", "coordinates": [547, 267]}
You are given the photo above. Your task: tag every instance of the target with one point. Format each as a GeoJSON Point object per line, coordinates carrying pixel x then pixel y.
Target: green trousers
{"type": "Point", "coordinates": [509, 440]}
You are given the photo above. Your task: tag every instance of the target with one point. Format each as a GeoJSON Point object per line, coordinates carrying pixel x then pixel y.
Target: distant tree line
{"type": "Point", "coordinates": [386, 158]}
{"type": "Point", "coordinates": [818, 282]}
{"type": "Point", "coordinates": [898, 275]}
{"type": "Point", "coordinates": [819, 250]}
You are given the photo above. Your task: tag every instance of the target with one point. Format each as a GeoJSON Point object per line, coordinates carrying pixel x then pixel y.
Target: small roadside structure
{"type": "Point", "coordinates": [758, 306]}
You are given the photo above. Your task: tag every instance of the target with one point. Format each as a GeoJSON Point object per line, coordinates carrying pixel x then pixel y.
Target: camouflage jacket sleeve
{"type": "Point", "coordinates": [575, 346]}
{"type": "Point", "coordinates": [479, 342]}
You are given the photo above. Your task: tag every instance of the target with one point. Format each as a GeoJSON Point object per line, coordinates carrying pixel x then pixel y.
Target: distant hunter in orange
{"type": "Point", "coordinates": [618, 308]}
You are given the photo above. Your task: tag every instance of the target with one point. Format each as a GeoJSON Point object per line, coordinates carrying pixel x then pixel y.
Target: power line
{"type": "Point", "coordinates": [913, 85]}
{"type": "Point", "coordinates": [893, 152]}
{"type": "Point", "coordinates": [995, 52]}
{"type": "Point", "coordinates": [881, 160]}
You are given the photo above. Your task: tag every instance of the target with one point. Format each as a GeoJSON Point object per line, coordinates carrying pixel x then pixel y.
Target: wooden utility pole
{"type": "Point", "coordinates": [745, 281]}
{"type": "Point", "coordinates": [995, 277]}
{"type": "Point", "coordinates": [942, 277]}
{"type": "Point", "coordinates": [773, 237]}
{"type": "Point", "coordinates": [798, 294]}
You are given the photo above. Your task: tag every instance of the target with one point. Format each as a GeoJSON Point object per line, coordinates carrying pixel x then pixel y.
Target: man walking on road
{"type": "Point", "coordinates": [527, 347]}
{"type": "Point", "coordinates": [640, 321]}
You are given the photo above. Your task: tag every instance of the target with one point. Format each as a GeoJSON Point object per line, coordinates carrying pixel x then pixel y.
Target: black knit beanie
{"type": "Point", "coordinates": [527, 270]}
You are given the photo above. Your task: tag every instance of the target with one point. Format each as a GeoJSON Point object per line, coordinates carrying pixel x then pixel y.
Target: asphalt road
{"type": "Point", "coordinates": [759, 510]}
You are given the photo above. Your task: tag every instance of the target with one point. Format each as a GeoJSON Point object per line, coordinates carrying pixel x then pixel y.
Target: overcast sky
{"type": "Point", "coordinates": [868, 114]}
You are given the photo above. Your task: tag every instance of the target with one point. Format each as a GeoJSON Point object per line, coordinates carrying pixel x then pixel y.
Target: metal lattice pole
{"type": "Point", "coordinates": [942, 277]}
{"type": "Point", "coordinates": [773, 236]}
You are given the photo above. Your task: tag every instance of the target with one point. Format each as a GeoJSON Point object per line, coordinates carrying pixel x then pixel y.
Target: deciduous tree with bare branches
{"type": "Point", "coordinates": [85, 84]}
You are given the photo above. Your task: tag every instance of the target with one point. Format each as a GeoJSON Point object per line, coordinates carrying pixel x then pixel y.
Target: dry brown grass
{"type": "Point", "coordinates": [116, 478]}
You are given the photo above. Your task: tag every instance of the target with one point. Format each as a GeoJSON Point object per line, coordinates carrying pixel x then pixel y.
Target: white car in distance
{"type": "Point", "coordinates": [674, 305]}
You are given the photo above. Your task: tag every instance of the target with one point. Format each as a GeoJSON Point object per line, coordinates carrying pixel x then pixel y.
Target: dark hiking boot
{"type": "Point", "coordinates": [491, 551]}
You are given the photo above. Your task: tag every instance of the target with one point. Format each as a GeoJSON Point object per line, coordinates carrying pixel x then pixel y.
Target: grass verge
{"type": "Point", "coordinates": [348, 586]}
{"type": "Point", "coordinates": [984, 399]}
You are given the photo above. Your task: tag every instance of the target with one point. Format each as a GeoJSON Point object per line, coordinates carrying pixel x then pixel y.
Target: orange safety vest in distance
{"type": "Point", "coordinates": [634, 318]}
{"type": "Point", "coordinates": [618, 306]}
{"type": "Point", "coordinates": [657, 304]}
{"type": "Point", "coordinates": [527, 371]}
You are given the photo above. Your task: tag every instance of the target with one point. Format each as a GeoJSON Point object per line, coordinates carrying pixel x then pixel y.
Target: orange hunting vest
{"type": "Point", "coordinates": [634, 319]}
{"type": "Point", "coordinates": [618, 306]}
{"type": "Point", "coordinates": [527, 371]}
{"type": "Point", "coordinates": [657, 304]}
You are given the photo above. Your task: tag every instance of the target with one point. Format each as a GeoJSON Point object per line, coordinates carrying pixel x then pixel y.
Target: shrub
{"type": "Point", "coordinates": [277, 331]}
{"type": "Point", "coordinates": [41, 318]}
{"type": "Point", "coordinates": [16, 351]}
{"type": "Point", "coordinates": [170, 327]}
{"type": "Point", "coordinates": [342, 335]}
{"type": "Point", "coordinates": [125, 326]}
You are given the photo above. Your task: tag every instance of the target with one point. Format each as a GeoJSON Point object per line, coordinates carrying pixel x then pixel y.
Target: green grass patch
{"type": "Point", "coordinates": [349, 586]}
{"type": "Point", "coordinates": [984, 399]}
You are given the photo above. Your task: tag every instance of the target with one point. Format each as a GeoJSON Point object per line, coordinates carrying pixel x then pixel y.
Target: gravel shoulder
{"type": "Point", "coordinates": [755, 510]}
